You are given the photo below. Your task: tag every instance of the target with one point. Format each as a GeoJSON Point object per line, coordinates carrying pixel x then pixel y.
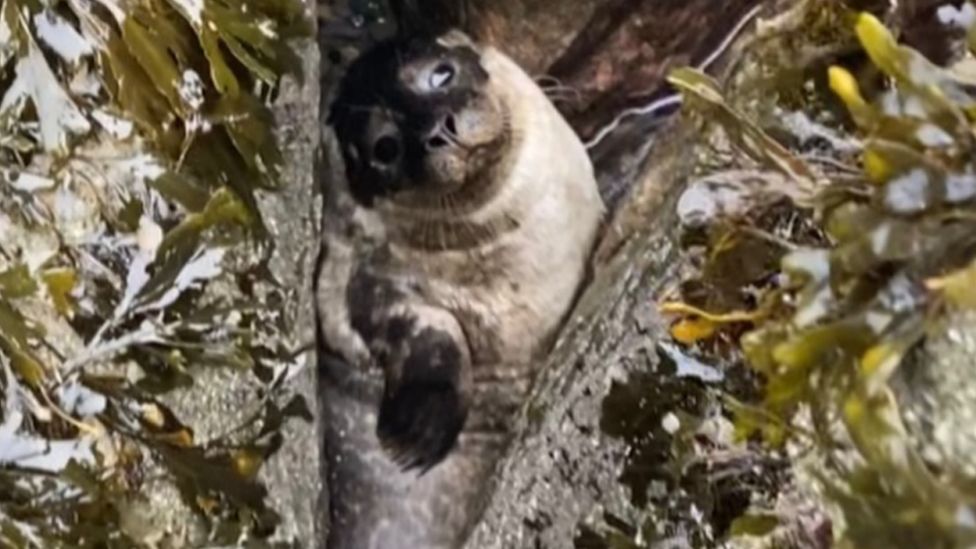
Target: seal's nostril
{"type": "Point", "coordinates": [443, 134]}
{"type": "Point", "coordinates": [386, 149]}
{"type": "Point", "coordinates": [436, 142]}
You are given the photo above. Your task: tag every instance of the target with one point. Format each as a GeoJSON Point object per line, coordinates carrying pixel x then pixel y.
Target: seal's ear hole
{"type": "Point", "coordinates": [386, 149]}
{"type": "Point", "coordinates": [442, 75]}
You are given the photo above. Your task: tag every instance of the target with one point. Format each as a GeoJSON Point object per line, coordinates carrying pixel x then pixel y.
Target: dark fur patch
{"type": "Point", "coordinates": [368, 296]}
{"type": "Point", "coordinates": [422, 413]}
{"type": "Point", "coordinates": [374, 103]}
{"type": "Point", "coordinates": [423, 409]}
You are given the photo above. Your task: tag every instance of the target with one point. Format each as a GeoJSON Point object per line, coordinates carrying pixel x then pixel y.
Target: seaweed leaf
{"type": "Point", "coordinates": [843, 313]}
{"type": "Point", "coordinates": [182, 139]}
{"type": "Point", "coordinates": [17, 282]}
{"type": "Point", "coordinates": [16, 335]}
{"type": "Point", "coordinates": [60, 118]}
{"type": "Point", "coordinates": [752, 139]}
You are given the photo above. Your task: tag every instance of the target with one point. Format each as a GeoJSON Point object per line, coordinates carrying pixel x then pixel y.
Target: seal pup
{"type": "Point", "coordinates": [450, 258]}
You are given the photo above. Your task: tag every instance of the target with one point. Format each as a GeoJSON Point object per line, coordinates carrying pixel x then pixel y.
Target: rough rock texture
{"type": "Point", "coordinates": [625, 51]}
{"type": "Point", "coordinates": [940, 387]}
{"type": "Point", "coordinates": [534, 31]}
{"type": "Point", "coordinates": [220, 398]}
{"type": "Point", "coordinates": [294, 475]}
{"type": "Point", "coordinates": [599, 59]}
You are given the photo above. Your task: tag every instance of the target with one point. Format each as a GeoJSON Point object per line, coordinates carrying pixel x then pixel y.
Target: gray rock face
{"type": "Point", "coordinates": [940, 396]}
{"type": "Point", "coordinates": [294, 475]}
{"type": "Point", "coordinates": [220, 398]}
{"type": "Point", "coordinates": [561, 466]}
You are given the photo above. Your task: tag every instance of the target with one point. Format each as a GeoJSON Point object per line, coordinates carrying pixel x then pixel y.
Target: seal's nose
{"type": "Point", "coordinates": [443, 134]}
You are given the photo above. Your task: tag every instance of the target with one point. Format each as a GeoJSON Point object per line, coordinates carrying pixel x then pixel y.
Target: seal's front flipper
{"type": "Point", "coordinates": [426, 365]}
{"type": "Point", "coordinates": [424, 405]}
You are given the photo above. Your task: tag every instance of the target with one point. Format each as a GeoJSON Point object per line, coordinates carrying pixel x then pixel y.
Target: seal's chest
{"type": "Point", "coordinates": [510, 293]}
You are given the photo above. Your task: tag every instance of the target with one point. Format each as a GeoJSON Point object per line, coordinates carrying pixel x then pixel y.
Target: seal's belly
{"type": "Point", "coordinates": [508, 320]}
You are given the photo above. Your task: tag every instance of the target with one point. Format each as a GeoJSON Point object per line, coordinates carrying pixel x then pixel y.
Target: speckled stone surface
{"type": "Point", "coordinates": [221, 398]}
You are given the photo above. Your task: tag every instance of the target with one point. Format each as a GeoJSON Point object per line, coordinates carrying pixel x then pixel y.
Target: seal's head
{"type": "Point", "coordinates": [417, 118]}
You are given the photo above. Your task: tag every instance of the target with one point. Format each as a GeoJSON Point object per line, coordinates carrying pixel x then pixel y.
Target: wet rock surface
{"type": "Point", "coordinates": [219, 399]}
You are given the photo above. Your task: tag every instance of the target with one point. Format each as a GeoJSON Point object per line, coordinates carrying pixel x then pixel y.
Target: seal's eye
{"type": "Point", "coordinates": [386, 149]}
{"type": "Point", "coordinates": [441, 76]}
